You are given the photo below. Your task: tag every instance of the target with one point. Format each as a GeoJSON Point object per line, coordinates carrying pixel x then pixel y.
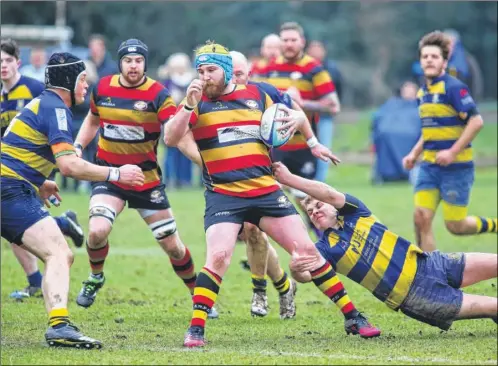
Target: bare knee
{"type": "Point", "coordinates": [173, 247]}
{"type": "Point", "coordinates": [97, 234]}
{"type": "Point", "coordinates": [220, 261]}
{"type": "Point", "coordinates": [254, 236]}
{"type": "Point", "coordinates": [64, 256]}
{"type": "Point", "coordinates": [455, 227]}
{"type": "Point", "coordinates": [422, 219]}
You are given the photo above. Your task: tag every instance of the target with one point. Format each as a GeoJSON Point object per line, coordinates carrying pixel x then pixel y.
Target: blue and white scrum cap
{"type": "Point", "coordinates": [215, 54]}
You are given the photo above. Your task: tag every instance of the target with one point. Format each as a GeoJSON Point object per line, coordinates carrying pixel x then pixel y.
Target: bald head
{"type": "Point", "coordinates": [270, 46]}
{"type": "Point", "coordinates": [240, 68]}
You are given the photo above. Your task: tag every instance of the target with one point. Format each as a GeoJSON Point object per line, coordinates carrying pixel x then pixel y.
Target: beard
{"type": "Point", "coordinates": [212, 90]}
{"type": "Point", "coordinates": [133, 79]}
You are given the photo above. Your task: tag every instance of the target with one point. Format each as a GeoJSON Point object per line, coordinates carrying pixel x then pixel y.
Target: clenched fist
{"type": "Point", "coordinates": [131, 175]}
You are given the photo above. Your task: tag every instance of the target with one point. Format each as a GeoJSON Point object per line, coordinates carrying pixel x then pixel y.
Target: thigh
{"type": "Point", "coordinates": [221, 208]}
{"type": "Point", "coordinates": [427, 193]}
{"type": "Point", "coordinates": [455, 193]}
{"type": "Point", "coordinates": [44, 239]}
{"type": "Point", "coordinates": [21, 208]}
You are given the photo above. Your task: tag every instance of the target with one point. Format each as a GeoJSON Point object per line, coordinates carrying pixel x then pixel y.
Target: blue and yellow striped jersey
{"type": "Point", "coordinates": [39, 134]}
{"type": "Point", "coordinates": [365, 250]}
{"type": "Point", "coordinates": [226, 130]}
{"type": "Point", "coordinates": [445, 106]}
{"type": "Point", "coordinates": [16, 98]}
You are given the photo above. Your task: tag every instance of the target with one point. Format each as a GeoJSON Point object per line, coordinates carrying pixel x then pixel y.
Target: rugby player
{"type": "Point", "coordinates": [237, 174]}
{"type": "Point", "coordinates": [17, 91]}
{"type": "Point", "coordinates": [130, 109]}
{"type": "Point", "coordinates": [424, 286]}
{"type": "Point", "coordinates": [450, 121]}
{"type": "Point", "coordinates": [270, 50]}
{"type": "Point", "coordinates": [37, 140]}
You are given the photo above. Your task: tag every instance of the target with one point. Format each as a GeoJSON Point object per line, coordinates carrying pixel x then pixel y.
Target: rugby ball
{"type": "Point", "coordinates": [268, 127]}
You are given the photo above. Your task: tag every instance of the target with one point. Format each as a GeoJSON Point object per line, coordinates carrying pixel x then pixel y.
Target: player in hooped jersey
{"type": "Point", "coordinates": [224, 119]}
{"type": "Point", "coordinates": [424, 286]}
{"type": "Point", "coordinates": [262, 257]}
{"type": "Point", "coordinates": [130, 110]}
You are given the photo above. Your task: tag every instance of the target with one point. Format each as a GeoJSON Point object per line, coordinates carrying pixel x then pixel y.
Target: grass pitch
{"type": "Point", "coordinates": [142, 312]}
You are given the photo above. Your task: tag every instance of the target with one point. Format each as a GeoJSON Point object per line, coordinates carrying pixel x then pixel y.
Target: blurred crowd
{"type": "Point", "coordinates": [395, 124]}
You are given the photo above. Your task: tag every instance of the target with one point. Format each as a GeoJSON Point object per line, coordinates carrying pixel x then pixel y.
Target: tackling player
{"type": "Point", "coordinates": [37, 140]}
{"type": "Point", "coordinates": [17, 91]}
{"type": "Point", "coordinates": [224, 119]}
{"type": "Point", "coordinates": [450, 121]}
{"type": "Point", "coordinates": [130, 109]}
{"type": "Point", "coordinates": [424, 286]}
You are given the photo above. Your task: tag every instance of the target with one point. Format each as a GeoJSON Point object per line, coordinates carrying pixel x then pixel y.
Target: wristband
{"type": "Point", "coordinates": [78, 146]}
{"type": "Point", "coordinates": [187, 107]}
{"type": "Point", "coordinates": [312, 142]}
{"type": "Point", "coordinates": [113, 175]}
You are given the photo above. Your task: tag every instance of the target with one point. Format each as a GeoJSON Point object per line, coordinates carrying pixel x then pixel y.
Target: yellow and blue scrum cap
{"type": "Point", "coordinates": [215, 54]}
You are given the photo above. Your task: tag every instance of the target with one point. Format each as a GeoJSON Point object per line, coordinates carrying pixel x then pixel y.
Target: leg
{"type": "Point", "coordinates": [257, 255]}
{"type": "Point", "coordinates": [479, 267]}
{"type": "Point", "coordinates": [104, 209]}
{"type": "Point", "coordinates": [221, 238]}
{"type": "Point", "coordinates": [29, 263]}
{"type": "Point", "coordinates": [423, 218]}
{"type": "Point", "coordinates": [163, 226]}
{"type": "Point", "coordinates": [325, 133]}
{"type": "Point", "coordinates": [477, 307]}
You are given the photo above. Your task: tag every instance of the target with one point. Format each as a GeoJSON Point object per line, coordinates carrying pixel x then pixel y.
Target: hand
{"type": "Point", "coordinates": [131, 175]}
{"type": "Point", "coordinates": [281, 173]}
{"type": "Point", "coordinates": [303, 260]}
{"type": "Point", "coordinates": [291, 122]}
{"type": "Point", "coordinates": [194, 92]}
{"type": "Point", "coordinates": [295, 95]}
{"type": "Point", "coordinates": [323, 153]}
{"type": "Point", "coordinates": [47, 189]}
{"type": "Point", "coordinates": [409, 161]}
{"type": "Point", "coordinates": [445, 157]}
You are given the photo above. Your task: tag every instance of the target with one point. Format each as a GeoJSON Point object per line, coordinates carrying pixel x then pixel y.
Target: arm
{"type": "Point", "coordinates": [318, 190]}
{"type": "Point", "coordinates": [418, 148]}
{"type": "Point", "coordinates": [328, 103]}
{"type": "Point", "coordinates": [471, 130]}
{"type": "Point", "coordinates": [188, 147]}
{"type": "Point", "coordinates": [88, 130]}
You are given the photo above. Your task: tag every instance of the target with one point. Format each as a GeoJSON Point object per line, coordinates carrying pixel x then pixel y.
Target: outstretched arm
{"type": "Point", "coordinates": [188, 147]}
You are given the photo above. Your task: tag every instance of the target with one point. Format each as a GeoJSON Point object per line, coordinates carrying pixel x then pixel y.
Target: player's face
{"type": "Point", "coordinates": [321, 214]}
{"type": "Point", "coordinates": [81, 88]}
{"type": "Point", "coordinates": [240, 73]}
{"type": "Point", "coordinates": [432, 62]}
{"type": "Point", "coordinates": [9, 66]}
{"type": "Point", "coordinates": [133, 68]}
{"type": "Point", "coordinates": [214, 80]}
{"type": "Point", "coordinates": [292, 44]}
{"type": "Point", "coordinates": [271, 48]}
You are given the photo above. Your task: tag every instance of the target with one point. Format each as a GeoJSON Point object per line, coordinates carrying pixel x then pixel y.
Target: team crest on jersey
{"type": "Point", "coordinates": [107, 102]}
{"type": "Point", "coordinates": [20, 104]}
{"type": "Point", "coordinates": [219, 106]}
{"type": "Point", "coordinates": [295, 75]}
{"type": "Point", "coordinates": [435, 98]}
{"type": "Point", "coordinates": [156, 196]}
{"type": "Point", "coordinates": [140, 105]}
{"type": "Point", "coordinates": [252, 104]}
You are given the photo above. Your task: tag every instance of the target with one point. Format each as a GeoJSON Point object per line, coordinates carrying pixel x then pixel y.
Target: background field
{"type": "Point", "coordinates": [143, 311]}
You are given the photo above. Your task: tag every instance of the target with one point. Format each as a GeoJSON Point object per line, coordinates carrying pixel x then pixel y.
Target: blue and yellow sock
{"type": "Point", "coordinates": [258, 283]}
{"type": "Point", "coordinates": [35, 279]}
{"type": "Point", "coordinates": [486, 225]}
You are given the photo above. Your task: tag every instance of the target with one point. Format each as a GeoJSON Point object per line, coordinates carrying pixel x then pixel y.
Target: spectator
{"type": "Point", "coordinates": [325, 125]}
{"type": "Point", "coordinates": [38, 62]}
{"type": "Point", "coordinates": [100, 57]}
{"type": "Point", "coordinates": [396, 129]}
{"type": "Point", "coordinates": [176, 75]}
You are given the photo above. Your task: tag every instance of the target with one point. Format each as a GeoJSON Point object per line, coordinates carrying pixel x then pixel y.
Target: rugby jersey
{"type": "Point", "coordinates": [258, 70]}
{"type": "Point", "coordinates": [236, 162]}
{"type": "Point", "coordinates": [16, 98]}
{"type": "Point", "coordinates": [35, 138]}
{"type": "Point", "coordinates": [368, 253]}
{"type": "Point", "coordinates": [130, 125]}
{"type": "Point", "coordinates": [309, 77]}
{"type": "Point", "coordinates": [445, 106]}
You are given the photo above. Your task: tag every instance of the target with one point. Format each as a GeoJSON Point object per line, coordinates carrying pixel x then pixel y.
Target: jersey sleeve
{"type": "Point", "coordinates": [59, 133]}
{"type": "Point", "coordinates": [462, 102]}
{"type": "Point", "coordinates": [37, 88]}
{"type": "Point", "coordinates": [93, 102]}
{"type": "Point", "coordinates": [276, 95]}
{"type": "Point", "coordinates": [195, 113]}
{"type": "Point", "coordinates": [166, 107]}
{"type": "Point", "coordinates": [322, 82]}
{"type": "Point", "coordinates": [354, 206]}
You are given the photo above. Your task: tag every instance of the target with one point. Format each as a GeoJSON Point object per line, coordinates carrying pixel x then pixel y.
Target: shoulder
{"type": "Point", "coordinates": [33, 84]}
{"type": "Point", "coordinates": [452, 83]}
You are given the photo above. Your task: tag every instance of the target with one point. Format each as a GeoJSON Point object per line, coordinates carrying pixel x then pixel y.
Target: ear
{"type": "Point", "coordinates": [19, 63]}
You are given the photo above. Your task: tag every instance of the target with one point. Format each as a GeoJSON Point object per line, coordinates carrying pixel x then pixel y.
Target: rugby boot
{"type": "Point", "coordinates": [360, 325]}
{"type": "Point", "coordinates": [68, 335]}
{"type": "Point", "coordinates": [259, 305]}
{"type": "Point", "coordinates": [213, 313]}
{"type": "Point", "coordinates": [287, 302]}
{"type": "Point", "coordinates": [29, 291]}
{"type": "Point", "coordinates": [75, 231]}
{"type": "Point", "coordinates": [194, 337]}
{"type": "Point", "coordinates": [88, 292]}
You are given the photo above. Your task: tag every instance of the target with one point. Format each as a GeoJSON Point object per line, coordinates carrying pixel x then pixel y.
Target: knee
{"type": "Point", "coordinates": [220, 261]}
{"type": "Point", "coordinates": [254, 236]}
{"type": "Point", "coordinates": [173, 247]}
{"type": "Point", "coordinates": [97, 234]}
{"type": "Point", "coordinates": [422, 219]}
{"type": "Point", "coordinates": [69, 257]}
{"type": "Point", "coordinates": [455, 227]}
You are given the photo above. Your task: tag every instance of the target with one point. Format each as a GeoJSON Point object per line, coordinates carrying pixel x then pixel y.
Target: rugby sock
{"type": "Point", "coordinates": [283, 284]}
{"type": "Point", "coordinates": [329, 283]}
{"type": "Point", "coordinates": [58, 317]}
{"type": "Point", "coordinates": [97, 257]}
{"type": "Point", "coordinates": [206, 290]}
{"type": "Point", "coordinates": [486, 225]}
{"type": "Point", "coordinates": [35, 279]}
{"type": "Point", "coordinates": [62, 223]}
{"type": "Point", "coordinates": [184, 268]}
{"type": "Point", "coordinates": [258, 283]}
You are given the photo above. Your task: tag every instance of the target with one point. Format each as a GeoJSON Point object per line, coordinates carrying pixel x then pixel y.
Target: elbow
{"type": "Point", "coordinates": [66, 170]}
{"type": "Point", "coordinates": [169, 140]}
